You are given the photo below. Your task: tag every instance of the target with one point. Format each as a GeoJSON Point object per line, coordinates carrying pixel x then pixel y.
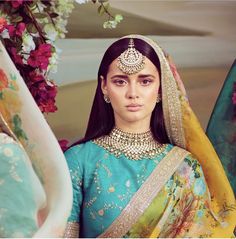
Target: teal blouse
{"type": "Point", "coordinates": [104, 184]}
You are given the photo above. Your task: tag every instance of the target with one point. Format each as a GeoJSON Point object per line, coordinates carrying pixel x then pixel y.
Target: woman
{"type": "Point", "coordinates": [133, 174]}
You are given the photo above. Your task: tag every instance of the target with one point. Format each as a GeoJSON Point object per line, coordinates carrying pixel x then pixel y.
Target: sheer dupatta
{"type": "Point", "coordinates": [23, 121]}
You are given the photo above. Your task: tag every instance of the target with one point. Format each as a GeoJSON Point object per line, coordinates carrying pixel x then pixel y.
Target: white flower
{"type": "Point", "coordinates": [5, 34]}
{"type": "Point", "coordinates": [81, 1]}
{"type": "Point", "coordinates": [51, 32]}
{"type": "Point", "coordinates": [28, 43]}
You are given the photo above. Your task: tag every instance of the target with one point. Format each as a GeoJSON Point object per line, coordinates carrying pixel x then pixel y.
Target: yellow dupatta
{"type": "Point", "coordinates": [184, 130]}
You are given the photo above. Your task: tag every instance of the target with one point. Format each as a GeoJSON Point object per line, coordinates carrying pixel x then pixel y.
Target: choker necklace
{"type": "Point", "coordinates": [134, 146]}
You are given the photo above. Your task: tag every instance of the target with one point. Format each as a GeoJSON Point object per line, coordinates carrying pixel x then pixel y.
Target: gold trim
{"type": "Point", "coordinates": [147, 192]}
{"type": "Point", "coordinates": [72, 230]}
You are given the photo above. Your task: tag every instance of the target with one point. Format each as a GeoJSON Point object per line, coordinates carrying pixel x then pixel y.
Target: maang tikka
{"type": "Point", "coordinates": [131, 60]}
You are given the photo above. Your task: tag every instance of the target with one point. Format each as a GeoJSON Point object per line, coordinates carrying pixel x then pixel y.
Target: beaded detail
{"type": "Point", "coordinates": [134, 146]}
{"type": "Point", "coordinates": [72, 230]}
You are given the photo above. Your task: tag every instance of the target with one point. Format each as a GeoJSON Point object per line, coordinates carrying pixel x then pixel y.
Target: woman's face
{"type": "Point", "coordinates": [133, 97]}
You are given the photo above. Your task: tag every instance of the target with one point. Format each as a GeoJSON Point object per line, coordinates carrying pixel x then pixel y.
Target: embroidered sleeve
{"type": "Point", "coordinates": [76, 178]}
{"type": "Point", "coordinates": [72, 230]}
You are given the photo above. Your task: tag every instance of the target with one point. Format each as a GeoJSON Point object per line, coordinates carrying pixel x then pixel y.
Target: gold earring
{"type": "Point", "coordinates": [158, 98]}
{"type": "Point", "coordinates": [107, 99]}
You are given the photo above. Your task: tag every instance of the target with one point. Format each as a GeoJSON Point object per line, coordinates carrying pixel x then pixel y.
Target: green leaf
{"type": "Point", "coordinates": [13, 76]}
{"type": "Point", "coordinates": [40, 15]}
{"type": "Point", "coordinates": [106, 6]}
{"type": "Point", "coordinates": [1, 95]}
{"type": "Point", "coordinates": [31, 28]}
{"type": "Point", "coordinates": [53, 15]}
{"type": "Point", "coordinates": [16, 121]}
{"type": "Point", "coordinates": [118, 18]}
{"type": "Point", "coordinates": [101, 10]}
{"type": "Point", "coordinates": [17, 19]}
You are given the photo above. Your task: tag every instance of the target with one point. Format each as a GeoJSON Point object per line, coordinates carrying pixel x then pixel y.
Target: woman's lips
{"type": "Point", "coordinates": [134, 107]}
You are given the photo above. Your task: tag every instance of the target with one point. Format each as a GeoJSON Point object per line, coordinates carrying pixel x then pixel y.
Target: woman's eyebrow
{"type": "Point", "coordinates": [145, 76]}
{"type": "Point", "coordinates": [120, 76]}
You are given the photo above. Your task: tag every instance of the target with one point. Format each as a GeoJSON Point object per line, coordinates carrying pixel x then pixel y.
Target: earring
{"type": "Point", "coordinates": [107, 99]}
{"type": "Point", "coordinates": [158, 98]}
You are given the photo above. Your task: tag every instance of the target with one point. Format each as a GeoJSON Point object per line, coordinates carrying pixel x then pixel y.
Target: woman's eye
{"type": "Point", "coordinates": [146, 81]}
{"type": "Point", "coordinates": [120, 82]}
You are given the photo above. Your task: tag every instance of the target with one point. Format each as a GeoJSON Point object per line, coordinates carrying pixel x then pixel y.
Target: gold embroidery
{"type": "Point", "coordinates": [144, 196]}
{"type": "Point", "coordinates": [133, 146]}
{"type": "Point", "coordinates": [72, 230]}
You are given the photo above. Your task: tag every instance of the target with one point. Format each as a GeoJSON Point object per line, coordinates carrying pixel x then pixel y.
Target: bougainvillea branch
{"type": "Point", "coordinates": [29, 29]}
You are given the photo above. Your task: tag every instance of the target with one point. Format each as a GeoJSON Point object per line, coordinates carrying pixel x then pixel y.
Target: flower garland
{"type": "Point", "coordinates": [29, 29]}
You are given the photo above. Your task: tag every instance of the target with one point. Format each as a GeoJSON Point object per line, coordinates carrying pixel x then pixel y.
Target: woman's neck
{"type": "Point", "coordinates": [134, 127]}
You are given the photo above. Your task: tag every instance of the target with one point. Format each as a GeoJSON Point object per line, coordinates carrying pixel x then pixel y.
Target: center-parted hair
{"type": "Point", "coordinates": [101, 120]}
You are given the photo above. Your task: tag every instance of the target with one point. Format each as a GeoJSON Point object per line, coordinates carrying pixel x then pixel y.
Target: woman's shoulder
{"type": "Point", "coordinates": [81, 154]}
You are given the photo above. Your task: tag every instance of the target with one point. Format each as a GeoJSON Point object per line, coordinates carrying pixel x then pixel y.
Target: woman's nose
{"type": "Point", "coordinates": [132, 92]}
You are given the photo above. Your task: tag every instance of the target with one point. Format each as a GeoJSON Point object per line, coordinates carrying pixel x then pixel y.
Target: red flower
{"type": "Point", "coordinates": [17, 59]}
{"type": "Point", "coordinates": [3, 24]}
{"type": "Point", "coordinates": [64, 144]}
{"type": "Point", "coordinates": [16, 3]}
{"type": "Point", "coordinates": [16, 31]}
{"type": "Point", "coordinates": [35, 77]}
{"type": "Point", "coordinates": [11, 29]}
{"type": "Point", "coordinates": [3, 80]}
{"type": "Point", "coordinates": [44, 93]}
{"type": "Point", "coordinates": [40, 57]}
{"type": "Point", "coordinates": [20, 29]}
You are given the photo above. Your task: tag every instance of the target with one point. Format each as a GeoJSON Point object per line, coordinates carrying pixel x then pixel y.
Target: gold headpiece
{"type": "Point", "coordinates": [131, 60]}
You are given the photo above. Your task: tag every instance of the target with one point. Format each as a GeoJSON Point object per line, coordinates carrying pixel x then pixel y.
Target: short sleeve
{"type": "Point", "coordinates": [72, 158]}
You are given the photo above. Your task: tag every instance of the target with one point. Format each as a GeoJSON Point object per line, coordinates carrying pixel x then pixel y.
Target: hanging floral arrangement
{"type": "Point", "coordinates": [29, 29]}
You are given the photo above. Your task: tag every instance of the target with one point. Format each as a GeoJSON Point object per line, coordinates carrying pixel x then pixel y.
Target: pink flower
{"type": "Point", "coordinates": [17, 59]}
{"type": "Point", "coordinates": [40, 57]}
{"type": "Point", "coordinates": [44, 93]}
{"type": "Point", "coordinates": [35, 77]}
{"type": "Point", "coordinates": [11, 29]}
{"type": "Point", "coordinates": [3, 24]}
{"type": "Point", "coordinates": [64, 144]}
{"type": "Point", "coordinates": [16, 31]}
{"type": "Point", "coordinates": [16, 3]}
{"type": "Point", "coordinates": [20, 29]}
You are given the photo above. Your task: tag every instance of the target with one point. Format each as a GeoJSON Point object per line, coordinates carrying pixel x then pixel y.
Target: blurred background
{"type": "Point", "coordinates": [199, 35]}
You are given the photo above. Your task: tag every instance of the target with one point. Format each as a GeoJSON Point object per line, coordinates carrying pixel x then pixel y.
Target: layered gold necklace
{"type": "Point", "coordinates": [135, 146]}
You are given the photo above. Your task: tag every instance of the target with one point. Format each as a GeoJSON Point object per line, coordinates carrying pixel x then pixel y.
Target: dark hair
{"type": "Point", "coordinates": [101, 120]}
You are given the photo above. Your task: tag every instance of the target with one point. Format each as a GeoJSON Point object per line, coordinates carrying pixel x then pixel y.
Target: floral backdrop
{"type": "Point", "coordinates": [29, 30]}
